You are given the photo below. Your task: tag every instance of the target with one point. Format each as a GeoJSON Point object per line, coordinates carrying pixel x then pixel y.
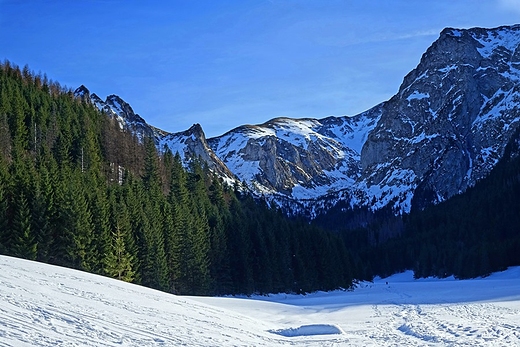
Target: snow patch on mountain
{"type": "Point", "coordinates": [416, 95]}
{"type": "Point", "coordinates": [496, 40]}
{"type": "Point", "coordinates": [445, 129]}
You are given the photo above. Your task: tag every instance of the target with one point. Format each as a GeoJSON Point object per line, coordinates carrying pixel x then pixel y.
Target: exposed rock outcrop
{"type": "Point", "coordinates": [445, 129]}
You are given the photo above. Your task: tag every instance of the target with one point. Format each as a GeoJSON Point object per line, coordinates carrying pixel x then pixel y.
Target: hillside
{"type": "Point", "coordinates": [79, 190]}
{"type": "Point", "coordinates": [45, 305]}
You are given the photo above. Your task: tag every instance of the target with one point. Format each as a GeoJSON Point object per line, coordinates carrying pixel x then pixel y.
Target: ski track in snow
{"type": "Point", "coordinates": [43, 305]}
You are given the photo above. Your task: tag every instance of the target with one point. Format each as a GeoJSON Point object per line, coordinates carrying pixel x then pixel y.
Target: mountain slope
{"type": "Point", "coordinates": [453, 115]}
{"type": "Point", "coordinates": [190, 144]}
{"type": "Point", "coordinates": [300, 158]}
{"type": "Point", "coordinates": [443, 131]}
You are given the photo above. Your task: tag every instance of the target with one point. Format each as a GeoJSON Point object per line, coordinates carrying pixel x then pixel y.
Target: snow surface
{"type": "Point", "coordinates": [416, 95]}
{"type": "Point", "coordinates": [43, 305]}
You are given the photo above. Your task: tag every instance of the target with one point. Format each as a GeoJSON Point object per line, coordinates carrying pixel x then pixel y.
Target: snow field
{"type": "Point", "coordinates": [43, 305]}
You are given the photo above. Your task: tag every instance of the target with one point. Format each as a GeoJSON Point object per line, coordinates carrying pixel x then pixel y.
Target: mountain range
{"type": "Point", "coordinates": [444, 130]}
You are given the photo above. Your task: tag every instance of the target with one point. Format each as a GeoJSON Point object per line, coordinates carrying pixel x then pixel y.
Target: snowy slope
{"type": "Point", "coordinates": [444, 130]}
{"type": "Point", "coordinates": [299, 158]}
{"type": "Point", "coordinates": [43, 305]}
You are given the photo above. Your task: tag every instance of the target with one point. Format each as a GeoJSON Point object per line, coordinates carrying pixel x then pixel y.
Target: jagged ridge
{"type": "Point", "coordinates": [445, 129]}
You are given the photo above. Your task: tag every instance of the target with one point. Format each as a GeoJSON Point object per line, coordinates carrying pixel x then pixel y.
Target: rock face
{"type": "Point", "coordinates": [191, 144]}
{"type": "Point", "coordinates": [117, 108]}
{"type": "Point", "coordinates": [453, 115]}
{"type": "Point", "coordinates": [444, 130]}
{"type": "Point", "coordinates": [298, 158]}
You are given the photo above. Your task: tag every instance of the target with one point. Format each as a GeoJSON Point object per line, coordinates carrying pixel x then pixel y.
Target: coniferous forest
{"type": "Point", "coordinates": [472, 234]}
{"type": "Point", "coordinates": [77, 191]}
{"type": "Point", "coordinates": [469, 235]}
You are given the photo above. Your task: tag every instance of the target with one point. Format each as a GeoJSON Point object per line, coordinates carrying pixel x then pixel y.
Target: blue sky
{"type": "Point", "coordinates": [227, 63]}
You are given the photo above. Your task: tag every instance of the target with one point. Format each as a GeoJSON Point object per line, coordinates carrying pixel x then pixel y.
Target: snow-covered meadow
{"type": "Point", "coordinates": [43, 305]}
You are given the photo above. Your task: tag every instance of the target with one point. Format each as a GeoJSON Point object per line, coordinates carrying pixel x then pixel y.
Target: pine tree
{"type": "Point", "coordinates": [5, 138]}
{"type": "Point", "coordinates": [218, 219]}
{"type": "Point", "coordinates": [198, 235]}
{"type": "Point", "coordinates": [239, 246]}
{"type": "Point", "coordinates": [154, 246]}
{"type": "Point", "coordinates": [23, 241]}
{"type": "Point", "coordinates": [101, 242]}
{"type": "Point", "coordinates": [42, 206]}
{"type": "Point", "coordinates": [179, 249]}
{"type": "Point", "coordinates": [5, 232]}
{"type": "Point", "coordinates": [119, 262]}
{"type": "Point", "coordinates": [73, 243]}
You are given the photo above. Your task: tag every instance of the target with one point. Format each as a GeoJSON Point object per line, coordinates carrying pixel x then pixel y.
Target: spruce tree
{"type": "Point", "coordinates": [42, 207]}
{"type": "Point", "coordinates": [23, 241]}
{"type": "Point", "coordinates": [118, 263]}
{"type": "Point", "coordinates": [218, 220]}
{"type": "Point", "coordinates": [180, 254]}
{"type": "Point", "coordinates": [4, 209]}
{"type": "Point", "coordinates": [100, 210]}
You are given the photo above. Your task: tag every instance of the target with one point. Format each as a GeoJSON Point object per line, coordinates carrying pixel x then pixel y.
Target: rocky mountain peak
{"type": "Point", "coordinates": [192, 145]}
{"type": "Point", "coordinates": [196, 130]}
{"type": "Point", "coordinates": [296, 158]}
{"type": "Point", "coordinates": [445, 129]}
{"type": "Point", "coordinates": [82, 93]}
{"type": "Point", "coordinates": [123, 109]}
{"type": "Point", "coordinates": [451, 118]}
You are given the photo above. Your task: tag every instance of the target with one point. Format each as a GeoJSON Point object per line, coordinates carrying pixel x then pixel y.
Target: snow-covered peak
{"type": "Point", "coordinates": [82, 93]}
{"type": "Point", "coordinates": [436, 135]}
{"type": "Point", "coordinates": [119, 106]}
{"type": "Point", "coordinates": [297, 158]}
{"type": "Point", "coordinates": [445, 129]}
{"type": "Point", "coordinates": [192, 144]}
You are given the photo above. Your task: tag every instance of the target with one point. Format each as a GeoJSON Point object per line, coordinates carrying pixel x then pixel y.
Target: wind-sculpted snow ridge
{"type": "Point", "coordinates": [44, 305]}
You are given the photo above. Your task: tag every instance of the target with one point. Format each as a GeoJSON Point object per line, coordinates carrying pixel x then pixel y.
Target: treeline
{"type": "Point", "coordinates": [76, 191]}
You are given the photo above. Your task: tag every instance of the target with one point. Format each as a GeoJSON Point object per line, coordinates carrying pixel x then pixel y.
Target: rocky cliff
{"type": "Point", "coordinates": [445, 129]}
{"type": "Point", "coordinates": [453, 115]}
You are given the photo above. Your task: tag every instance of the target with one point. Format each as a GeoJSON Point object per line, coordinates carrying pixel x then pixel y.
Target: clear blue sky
{"type": "Point", "coordinates": [227, 63]}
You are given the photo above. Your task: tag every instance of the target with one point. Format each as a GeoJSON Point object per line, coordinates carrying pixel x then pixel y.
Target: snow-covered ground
{"type": "Point", "coordinates": [43, 305]}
